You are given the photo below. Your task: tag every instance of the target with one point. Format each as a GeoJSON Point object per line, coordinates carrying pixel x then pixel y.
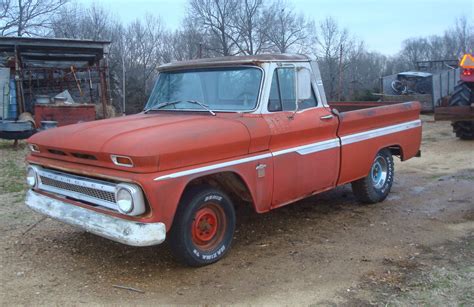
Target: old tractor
{"type": "Point", "coordinates": [460, 107]}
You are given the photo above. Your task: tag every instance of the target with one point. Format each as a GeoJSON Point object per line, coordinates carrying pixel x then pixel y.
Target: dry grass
{"type": "Point", "coordinates": [12, 167]}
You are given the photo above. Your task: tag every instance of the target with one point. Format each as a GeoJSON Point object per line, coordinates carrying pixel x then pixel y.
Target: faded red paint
{"type": "Point", "coordinates": [165, 142]}
{"type": "Point", "coordinates": [64, 114]}
{"type": "Point", "coordinates": [358, 157]}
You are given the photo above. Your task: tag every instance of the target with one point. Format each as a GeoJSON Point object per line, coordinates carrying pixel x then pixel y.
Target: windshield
{"type": "Point", "coordinates": [219, 89]}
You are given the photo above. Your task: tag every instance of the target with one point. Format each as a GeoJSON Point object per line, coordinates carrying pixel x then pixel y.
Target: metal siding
{"type": "Point", "coordinates": [4, 91]}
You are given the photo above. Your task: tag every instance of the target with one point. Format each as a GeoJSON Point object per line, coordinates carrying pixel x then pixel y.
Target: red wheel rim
{"type": "Point", "coordinates": [208, 226]}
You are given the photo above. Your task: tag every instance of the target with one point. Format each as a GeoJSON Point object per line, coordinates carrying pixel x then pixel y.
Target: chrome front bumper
{"type": "Point", "coordinates": [110, 227]}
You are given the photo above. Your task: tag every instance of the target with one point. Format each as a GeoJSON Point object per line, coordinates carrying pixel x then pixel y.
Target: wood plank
{"type": "Point", "coordinates": [454, 113]}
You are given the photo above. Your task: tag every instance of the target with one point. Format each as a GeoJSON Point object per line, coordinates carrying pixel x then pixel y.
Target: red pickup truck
{"type": "Point", "coordinates": [216, 133]}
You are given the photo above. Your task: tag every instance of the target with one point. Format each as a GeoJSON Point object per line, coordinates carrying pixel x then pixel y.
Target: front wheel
{"type": "Point", "coordinates": [377, 184]}
{"type": "Point", "coordinates": [203, 227]}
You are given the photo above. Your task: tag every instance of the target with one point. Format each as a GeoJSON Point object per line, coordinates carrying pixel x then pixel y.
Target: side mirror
{"type": "Point", "coordinates": [303, 89]}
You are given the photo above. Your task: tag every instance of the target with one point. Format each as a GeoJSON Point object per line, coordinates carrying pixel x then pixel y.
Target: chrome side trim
{"type": "Point", "coordinates": [304, 149]}
{"type": "Point", "coordinates": [362, 136]}
{"type": "Point", "coordinates": [310, 148]}
{"type": "Point", "coordinates": [212, 167]}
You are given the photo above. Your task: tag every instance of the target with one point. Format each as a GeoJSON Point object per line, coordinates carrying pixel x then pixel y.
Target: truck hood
{"type": "Point", "coordinates": [157, 141]}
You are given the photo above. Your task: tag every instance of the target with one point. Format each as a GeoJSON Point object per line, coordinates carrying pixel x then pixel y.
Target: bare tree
{"type": "Point", "coordinates": [248, 21]}
{"type": "Point", "coordinates": [28, 17]}
{"type": "Point", "coordinates": [4, 8]}
{"type": "Point", "coordinates": [69, 22]}
{"type": "Point", "coordinates": [74, 21]}
{"type": "Point", "coordinates": [335, 51]}
{"type": "Point", "coordinates": [450, 46]}
{"type": "Point", "coordinates": [188, 42]}
{"type": "Point", "coordinates": [98, 23]}
{"type": "Point", "coordinates": [215, 17]}
{"type": "Point", "coordinates": [415, 50]}
{"type": "Point", "coordinates": [285, 29]}
{"type": "Point", "coordinates": [144, 43]}
{"type": "Point", "coordinates": [464, 35]}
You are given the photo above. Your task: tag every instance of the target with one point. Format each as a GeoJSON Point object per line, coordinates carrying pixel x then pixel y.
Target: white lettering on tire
{"type": "Point", "coordinates": [214, 255]}
{"type": "Point", "coordinates": [213, 197]}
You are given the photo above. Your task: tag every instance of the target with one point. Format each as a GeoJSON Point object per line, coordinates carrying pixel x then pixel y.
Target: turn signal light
{"type": "Point", "coordinates": [33, 148]}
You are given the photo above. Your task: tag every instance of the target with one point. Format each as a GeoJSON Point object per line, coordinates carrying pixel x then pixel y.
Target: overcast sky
{"type": "Point", "coordinates": [382, 24]}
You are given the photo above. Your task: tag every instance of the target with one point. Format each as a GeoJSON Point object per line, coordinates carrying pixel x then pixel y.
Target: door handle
{"type": "Point", "coordinates": [326, 117]}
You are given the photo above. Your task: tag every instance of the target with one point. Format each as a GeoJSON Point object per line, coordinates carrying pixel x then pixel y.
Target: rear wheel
{"type": "Point", "coordinates": [462, 96]}
{"type": "Point", "coordinates": [377, 184]}
{"type": "Point", "coordinates": [203, 227]}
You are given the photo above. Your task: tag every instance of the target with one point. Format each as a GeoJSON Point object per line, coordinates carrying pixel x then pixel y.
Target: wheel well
{"type": "Point", "coordinates": [396, 150]}
{"type": "Point", "coordinates": [229, 182]}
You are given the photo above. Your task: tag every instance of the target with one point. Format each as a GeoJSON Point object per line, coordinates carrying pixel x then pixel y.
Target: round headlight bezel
{"type": "Point", "coordinates": [137, 206]}
{"type": "Point", "coordinates": [31, 170]}
{"type": "Point", "coordinates": [121, 205]}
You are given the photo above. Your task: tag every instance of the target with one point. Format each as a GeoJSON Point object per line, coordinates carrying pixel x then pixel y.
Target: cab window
{"type": "Point", "coordinates": [283, 92]}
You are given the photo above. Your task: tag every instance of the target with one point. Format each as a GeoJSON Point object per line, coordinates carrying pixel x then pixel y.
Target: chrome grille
{"type": "Point", "coordinates": [107, 196]}
{"type": "Point", "coordinates": [90, 190]}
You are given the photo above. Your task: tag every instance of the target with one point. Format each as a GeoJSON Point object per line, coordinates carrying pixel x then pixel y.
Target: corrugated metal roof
{"type": "Point", "coordinates": [51, 42]}
{"type": "Point", "coordinates": [53, 50]}
{"type": "Point", "coordinates": [228, 60]}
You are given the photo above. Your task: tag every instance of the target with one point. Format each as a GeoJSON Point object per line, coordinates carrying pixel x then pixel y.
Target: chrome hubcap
{"type": "Point", "coordinates": [379, 172]}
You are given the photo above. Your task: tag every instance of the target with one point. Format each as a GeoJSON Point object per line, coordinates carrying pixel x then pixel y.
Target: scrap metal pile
{"type": "Point", "coordinates": [43, 79]}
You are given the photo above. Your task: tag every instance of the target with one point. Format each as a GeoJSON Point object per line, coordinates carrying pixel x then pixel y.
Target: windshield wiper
{"type": "Point", "coordinates": [161, 105]}
{"type": "Point", "coordinates": [164, 104]}
{"type": "Point", "coordinates": [204, 106]}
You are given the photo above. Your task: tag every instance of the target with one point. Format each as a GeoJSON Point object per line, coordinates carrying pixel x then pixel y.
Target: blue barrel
{"type": "Point", "coordinates": [12, 105]}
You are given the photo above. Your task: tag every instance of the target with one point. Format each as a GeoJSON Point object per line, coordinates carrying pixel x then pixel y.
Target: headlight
{"type": "Point", "coordinates": [31, 177]}
{"type": "Point", "coordinates": [129, 199]}
{"type": "Point", "coordinates": [124, 201]}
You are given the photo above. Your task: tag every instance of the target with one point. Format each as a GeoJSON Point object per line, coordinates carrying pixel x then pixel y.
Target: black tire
{"type": "Point", "coordinates": [375, 186]}
{"type": "Point", "coordinates": [464, 129]}
{"type": "Point", "coordinates": [462, 96]}
{"type": "Point", "coordinates": [203, 227]}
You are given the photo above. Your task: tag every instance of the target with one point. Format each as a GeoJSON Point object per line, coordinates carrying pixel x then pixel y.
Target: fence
{"type": "Point", "coordinates": [443, 84]}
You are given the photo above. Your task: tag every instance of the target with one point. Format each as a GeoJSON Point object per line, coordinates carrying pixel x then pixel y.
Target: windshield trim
{"type": "Point", "coordinates": [257, 105]}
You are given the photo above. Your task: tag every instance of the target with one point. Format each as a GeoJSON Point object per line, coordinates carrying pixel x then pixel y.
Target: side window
{"type": "Point", "coordinates": [286, 80]}
{"type": "Point", "coordinates": [283, 92]}
{"type": "Point", "coordinates": [308, 103]}
{"type": "Point", "coordinates": [274, 103]}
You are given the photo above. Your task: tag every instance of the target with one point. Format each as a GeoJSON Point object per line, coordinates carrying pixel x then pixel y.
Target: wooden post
{"type": "Point", "coordinates": [20, 99]}
{"type": "Point", "coordinates": [103, 90]}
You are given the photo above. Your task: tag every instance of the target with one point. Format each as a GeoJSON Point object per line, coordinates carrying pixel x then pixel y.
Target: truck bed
{"type": "Point", "coordinates": [367, 127]}
{"type": "Point", "coordinates": [346, 106]}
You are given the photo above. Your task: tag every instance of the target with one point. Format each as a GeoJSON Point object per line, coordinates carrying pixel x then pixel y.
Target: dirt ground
{"type": "Point", "coordinates": [416, 247]}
